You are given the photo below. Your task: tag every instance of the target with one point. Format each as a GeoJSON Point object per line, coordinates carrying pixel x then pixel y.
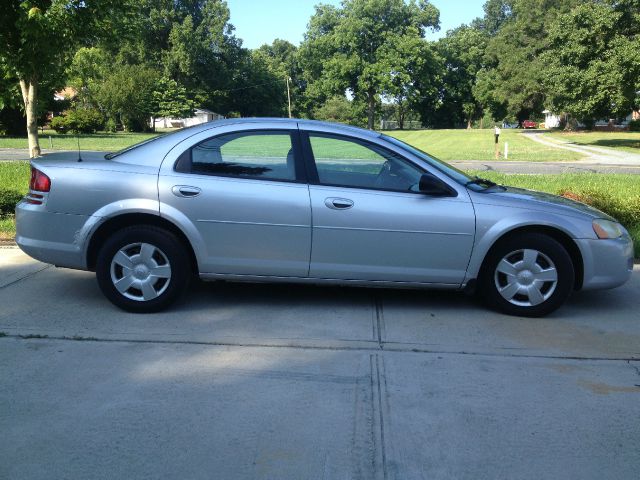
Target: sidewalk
{"type": "Point", "coordinates": [594, 155]}
{"type": "Point", "coordinates": [555, 168]}
{"type": "Point", "coordinates": [18, 154]}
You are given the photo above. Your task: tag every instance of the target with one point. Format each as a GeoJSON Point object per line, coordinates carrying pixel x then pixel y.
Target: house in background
{"type": "Point", "coordinates": [200, 115]}
{"type": "Point", "coordinates": [67, 93]}
{"type": "Point", "coordinates": [551, 120]}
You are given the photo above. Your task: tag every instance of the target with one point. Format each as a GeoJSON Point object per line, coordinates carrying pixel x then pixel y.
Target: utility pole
{"type": "Point", "coordinates": [289, 94]}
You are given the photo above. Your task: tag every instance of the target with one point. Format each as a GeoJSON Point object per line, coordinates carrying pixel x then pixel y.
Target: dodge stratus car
{"type": "Point", "coordinates": [288, 200]}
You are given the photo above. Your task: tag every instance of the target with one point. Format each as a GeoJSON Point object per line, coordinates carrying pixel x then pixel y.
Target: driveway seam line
{"type": "Point", "coordinates": [377, 423]}
{"type": "Point", "coordinates": [312, 347]}
{"type": "Point", "coordinates": [29, 275]}
{"type": "Point", "coordinates": [380, 322]}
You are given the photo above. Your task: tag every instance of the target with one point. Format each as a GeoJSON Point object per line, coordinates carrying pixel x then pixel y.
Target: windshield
{"type": "Point", "coordinates": [109, 156]}
{"type": "Point", "coordinates": [458, 175]}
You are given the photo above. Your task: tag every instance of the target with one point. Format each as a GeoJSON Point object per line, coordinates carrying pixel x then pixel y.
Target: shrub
{"type": "Point", "coordinates": [59, 124]}
{"type": "Point", "coordinates": [634, 125]}
{"type": "Point", "coordinates": [8, 201]}
{"type": "Point", "coordinates": [111, 126]}
{"type": "Point", "coordinates": [84, 120]}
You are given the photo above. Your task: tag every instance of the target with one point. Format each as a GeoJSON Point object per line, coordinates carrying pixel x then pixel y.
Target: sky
{"type": "Point", "coordinates": [262, 21]}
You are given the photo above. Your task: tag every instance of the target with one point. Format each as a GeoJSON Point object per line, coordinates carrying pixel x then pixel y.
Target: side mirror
{"type": "Point", "coordinates": [431, 185]}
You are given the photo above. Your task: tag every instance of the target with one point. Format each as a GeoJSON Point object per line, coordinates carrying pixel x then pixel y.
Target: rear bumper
{"type": "Point", "coordinates": [607, 263]}
{"type": "Point", "coordinates": [51, 237]}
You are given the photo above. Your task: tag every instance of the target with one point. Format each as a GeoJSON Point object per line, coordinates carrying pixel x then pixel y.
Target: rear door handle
{"type": "Point", "coordinates": [185, 191]}
{"type": "Point", "coordinates": [338, 203]}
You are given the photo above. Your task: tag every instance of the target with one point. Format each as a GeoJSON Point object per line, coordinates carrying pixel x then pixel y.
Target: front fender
{"type": "Point", "coordinates": [494, 225]}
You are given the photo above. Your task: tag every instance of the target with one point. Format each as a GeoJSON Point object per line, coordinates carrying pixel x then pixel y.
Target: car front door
{"type": "Point", "coordinates": [370, 222]}
{"type": "Point", "coordinates": [246, 195]}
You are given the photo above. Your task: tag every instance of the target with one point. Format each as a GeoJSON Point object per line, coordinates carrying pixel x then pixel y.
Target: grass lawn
{"type": "Point", "coordinates": [627, 141]}
{"type": "Point", "coordinates": [107, 142]}
{"type": "Point", "coordinates": [478, 145]}
{"type": "Point", "coordinates": [617, 195]}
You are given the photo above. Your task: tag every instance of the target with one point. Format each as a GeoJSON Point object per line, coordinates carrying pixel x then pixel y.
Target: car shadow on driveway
{"type": "Point", "coordinates": [592, 324]}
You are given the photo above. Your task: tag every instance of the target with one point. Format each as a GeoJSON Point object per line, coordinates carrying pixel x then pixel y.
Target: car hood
{"type": "Point", "coordinates": [533, 200]}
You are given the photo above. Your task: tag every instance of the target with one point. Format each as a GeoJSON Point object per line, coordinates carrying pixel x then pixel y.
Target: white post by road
{"type": "Point", "coordinates": [506, 150]}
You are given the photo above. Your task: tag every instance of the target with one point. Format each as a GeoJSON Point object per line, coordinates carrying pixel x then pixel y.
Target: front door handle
{"type": "Point", "coordinates": [185, 191]}
{"type": "Point", "coordinates": [338, 203]}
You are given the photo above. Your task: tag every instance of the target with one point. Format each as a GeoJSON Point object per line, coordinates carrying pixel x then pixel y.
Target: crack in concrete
{"type": "Point", "coordinates": [636, 369]}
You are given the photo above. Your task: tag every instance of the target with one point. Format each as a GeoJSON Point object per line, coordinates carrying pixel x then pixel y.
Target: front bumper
{"type": "Point", "coordinates": [607, 263]}
{"type": "Point", "coordinates": [50, 237]}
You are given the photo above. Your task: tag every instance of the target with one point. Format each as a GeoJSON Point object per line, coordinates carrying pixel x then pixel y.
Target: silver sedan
{"type": "Point", "coordinates": [301, 201]}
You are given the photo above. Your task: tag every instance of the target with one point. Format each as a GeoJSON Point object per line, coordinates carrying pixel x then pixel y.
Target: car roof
{"type": "Point", "coordinates": [286, 122]}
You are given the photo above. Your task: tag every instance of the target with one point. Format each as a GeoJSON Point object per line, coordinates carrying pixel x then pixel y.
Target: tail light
{"type": "Point", "coordinates": [39, 183]}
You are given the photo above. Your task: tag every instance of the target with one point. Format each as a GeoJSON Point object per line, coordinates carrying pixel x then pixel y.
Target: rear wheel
{"type": "Point", "coordinates": [143, 269]}
{"type": "Point", "coordinates": [528, 275]}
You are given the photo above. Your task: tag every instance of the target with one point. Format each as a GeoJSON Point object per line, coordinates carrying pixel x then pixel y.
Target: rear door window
{"type": "Point", "coordinates": [257, 154]}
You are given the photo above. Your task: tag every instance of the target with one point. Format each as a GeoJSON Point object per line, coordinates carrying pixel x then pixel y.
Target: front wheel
{"type": "Point", "coordinates": [143, 269]}
{"type": "Point", "coordinates": [527, 275]}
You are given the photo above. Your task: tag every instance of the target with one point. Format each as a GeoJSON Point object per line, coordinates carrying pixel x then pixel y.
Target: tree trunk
{"type": "Point", "coordinates": [371, 108]}
{"type": "Point", "coordinates": [469, 124]}
{"type": "Point", "coordinates": [400, 115]}
{"type": "Point", "coordinates": [30, 97]}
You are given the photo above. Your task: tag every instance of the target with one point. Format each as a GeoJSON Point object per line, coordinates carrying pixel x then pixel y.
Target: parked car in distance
{"type": "Point", "coordinates": [529, 124]}
{"type": "Point", "coordinates": [311, 202]}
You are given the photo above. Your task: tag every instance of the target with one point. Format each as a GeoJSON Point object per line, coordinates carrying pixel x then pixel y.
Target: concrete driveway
{"type": "Point", "coordinates": [290, 382]}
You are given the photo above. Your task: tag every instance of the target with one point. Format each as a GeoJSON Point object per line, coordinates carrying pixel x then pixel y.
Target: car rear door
{"type": "Point", "coordinates": [371, 223]}
{"type": "Point", "coordinates": [244, 196]}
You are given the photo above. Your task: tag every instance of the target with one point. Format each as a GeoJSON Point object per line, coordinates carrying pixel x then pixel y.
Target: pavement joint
{"type": "Point", "coordinates": [28, 275]}
{"type": "Point", "coordinates": [380, 327]}
{"type": "Point", "coordinates": [397, 347]}
{"type": "Point", "coordinates": [377, 425]}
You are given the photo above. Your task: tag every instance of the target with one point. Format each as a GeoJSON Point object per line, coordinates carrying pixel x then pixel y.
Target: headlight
{"type": "Point", "coordinates": [607, 229]}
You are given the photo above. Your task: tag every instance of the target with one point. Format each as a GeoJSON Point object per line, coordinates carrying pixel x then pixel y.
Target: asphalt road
{"type": "Point", "coordinates": [291, 382]}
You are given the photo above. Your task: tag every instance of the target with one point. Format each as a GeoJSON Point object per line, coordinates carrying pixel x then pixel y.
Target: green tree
{"type": "Point", "coordinates": [127, 94]}
{"type": "Point", "coordinates": [496, 13]}
{"type": "Point", "coordinates": [511, 81]}
{"type": "Point", "coordinates": [169, 99]}
{"type": "Point", "coordinates": [336, 109]}
{"type": "Point", "coordinates": [347, 46]}
{"type": "Point", "coordinates": [410, 70]}
{"type": "Point", "coordinates": [593, 60]}
{"type": "Point", "coordinates": [202, 52]}
{"type": "Point", "coordinates": [257, 91]}
{"type": "Point", "coordinates": [37, 38]}
{"type": "Point", "coordinates": [463, 51]}
{"type": "Point", "coordinates": [281, 60]}
{"type": "Point", "coordinates": [90, 65]}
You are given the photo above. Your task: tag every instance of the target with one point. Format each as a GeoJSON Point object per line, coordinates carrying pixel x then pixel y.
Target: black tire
{"type": "Point", "coordinates": [537, 294]}
{"type": "Point", "coordinates": [158, 265]}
